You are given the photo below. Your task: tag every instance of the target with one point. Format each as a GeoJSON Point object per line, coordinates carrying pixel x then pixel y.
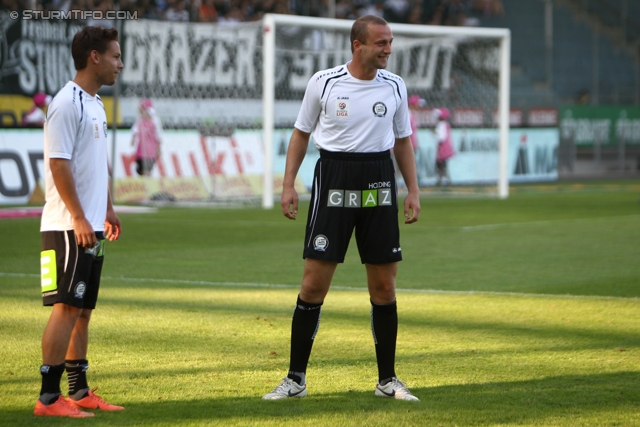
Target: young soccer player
{"type": "Point", "coordinates": [77, 218]}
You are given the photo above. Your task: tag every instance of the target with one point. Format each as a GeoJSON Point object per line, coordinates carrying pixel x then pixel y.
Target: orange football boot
{"type": "Point", "coordinates": [59, 408]}
{"type": "Point", "coordinates": [93, 401]}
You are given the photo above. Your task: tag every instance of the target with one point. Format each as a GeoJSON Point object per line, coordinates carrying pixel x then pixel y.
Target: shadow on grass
{"type": "Point", "coordinates": [573, 336]}
{"type": "Point", "coordinates": [587, 398]}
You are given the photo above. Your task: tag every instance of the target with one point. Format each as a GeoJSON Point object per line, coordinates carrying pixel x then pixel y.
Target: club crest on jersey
{"type": "Point", "coordinates": [342, 108]}
{"type": "Point", "coordinates": [379, 109]}
{"type": "Point", "coordinates": [320, 243]}
{"type": "Point", "coordinates": [81, 287]}
{"type": "Point", "coordinates": [104, 127]}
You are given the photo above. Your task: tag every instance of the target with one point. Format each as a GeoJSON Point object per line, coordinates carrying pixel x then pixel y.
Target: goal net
{"type": "Point", "coordinates": [239, 88]}
{"type": "Point", "coordinates": [465, 70]}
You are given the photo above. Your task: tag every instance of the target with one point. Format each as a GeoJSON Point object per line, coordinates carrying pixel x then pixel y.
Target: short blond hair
{"type": "Point", "coordinates": [360, 28]}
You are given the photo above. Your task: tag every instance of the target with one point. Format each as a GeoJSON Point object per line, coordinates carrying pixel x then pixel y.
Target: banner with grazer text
{"type": "Point", "coordinates": [199, 73]}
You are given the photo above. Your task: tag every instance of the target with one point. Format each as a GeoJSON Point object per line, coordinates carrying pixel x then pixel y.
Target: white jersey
{"type": "Point", "coordinates": [76, 130]}
{"type": "Point", "coordinates": [347, 114]}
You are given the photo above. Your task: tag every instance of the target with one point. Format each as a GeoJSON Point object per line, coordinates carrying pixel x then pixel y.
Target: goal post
{"type": "Point", "coordinates": [462, 68]}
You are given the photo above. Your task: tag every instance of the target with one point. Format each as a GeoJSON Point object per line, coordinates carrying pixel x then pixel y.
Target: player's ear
{"type": "Point", "coordinates": [94, 56]}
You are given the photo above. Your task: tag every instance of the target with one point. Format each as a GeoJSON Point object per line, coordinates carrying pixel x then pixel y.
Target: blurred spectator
{"type": "Point", "coordinates": [375, 8]}
{"type": "Point", "coordinates": [36, 115]}
{"type": "Point", "coordinates": [445, 145]}
{"type": "Point", "coordinates": [222, 7]}
{"type": "Point", "coordinates": [141, 8]}
{"type": "Point", "coordinates": [396, 10]}
{"type": "Point", "coordinates": [231, 17]}
{"type": "Point", "coordinates": [207, 11]}
{"type": "Point", "coordinates": [319, 9]}
{"type": "Point", "coordinates": [177, 11]}
{"type": "Point", "coordinates": [161, 5]}
{"type": "Point", "coordinates": [489, 7]}
{"type": "Point", "coordinates": [259, 8]}
{"type": "Point", "coordinates": [102, 6]}
{"type": "Point", "coordinates": [282, 7]}
{"type": "Point", "coordinates": [152, 10]}
{"type": "Point", "coordinates": [456, 13]}
{"type": "Point", "coordinates": [415, 15]}
{"type": "Point", "coordinates": [437, 15]}
{"type": "Point", "coordinates": [147, 135]}
{"type": "Point", "coordinates": [433, 12]}
{"type": "Point", "coordinates": [343, 9]}
{"type": "Point", "coordinates": [64, 5]}
{"type": "Point", "coordinates": [583, 97]}
{"type": "Point", "coordinates": [10, 5]}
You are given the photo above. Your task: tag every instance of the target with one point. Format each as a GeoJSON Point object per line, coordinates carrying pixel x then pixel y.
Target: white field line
{"type": "Point", "coordinates": [342, 288]}
{"type": "Point", "coordinates": [536, 223]}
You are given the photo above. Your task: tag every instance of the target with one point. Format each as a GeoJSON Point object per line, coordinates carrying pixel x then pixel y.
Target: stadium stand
{"type": "Point", "coordinates": [608, 32]}
{"type": "Point", "coordinates": [586, 50]}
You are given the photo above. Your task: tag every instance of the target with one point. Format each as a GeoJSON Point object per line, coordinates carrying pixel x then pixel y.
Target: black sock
{"type": "Point", "coordinates": [384, 326]}
{"type": "Point", "coordinates": [77, 375]}
{"type": "Point", "coordinates": [304, 326]}
{"type": "Point", "coordinates": [50, 389]}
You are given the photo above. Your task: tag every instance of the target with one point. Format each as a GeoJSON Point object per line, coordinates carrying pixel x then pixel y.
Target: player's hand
{"type": "Point", "coordinates": [85, 235]}
{"type": "Point", "coordinates": [411, 208]}
{"type": "Point", "coordinates": [112, 227]}
{"type": "Point", "coordinates": [289, 202]}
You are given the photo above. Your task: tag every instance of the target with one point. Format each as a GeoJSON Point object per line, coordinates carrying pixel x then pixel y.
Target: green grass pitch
{"type": "Point", "coordinates": [522, 311]}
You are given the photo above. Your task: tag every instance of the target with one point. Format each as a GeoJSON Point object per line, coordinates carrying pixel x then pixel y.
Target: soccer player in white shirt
{"type": "Point", "coordinates": [78, 216]}
{"type": "Point", "coordinates": [357, 112]}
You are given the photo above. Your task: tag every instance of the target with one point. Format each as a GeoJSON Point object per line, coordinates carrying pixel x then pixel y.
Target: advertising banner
{"type": "Point", "coordinates": [194, 167]}
{"type": "Point", "coordinates": [588, 126]}
{"type": "Point", "coordinates": [191, 167]}
{"type": "Point", "coordinates": [533, 156]}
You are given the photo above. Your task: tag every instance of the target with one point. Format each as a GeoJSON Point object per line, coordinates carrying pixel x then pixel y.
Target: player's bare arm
{"type": "Point", "coordinates": [295, 155]}
{"type": "Point", "coordinates": [112, 226]}
{"type": "Point", "coordinates": [65, 184]}
{"type": "Point", "coordinates": [403, 151]}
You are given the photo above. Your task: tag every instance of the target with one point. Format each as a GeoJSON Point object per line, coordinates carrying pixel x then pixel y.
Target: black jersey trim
{"type": "Point", "coordinates": [328, 80]}
{"type": "Point", "coordinates": [81, 106]}
{"type": "Point", "coordinates": [395, 83]}
{"type": "Point", "coordinates": [317, 184]}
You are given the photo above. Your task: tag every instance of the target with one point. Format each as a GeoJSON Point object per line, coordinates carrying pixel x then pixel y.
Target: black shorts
{"type": "Point", "coordinates": [70, 274]}
{"type": "Point", "coordinates": [353, 190]}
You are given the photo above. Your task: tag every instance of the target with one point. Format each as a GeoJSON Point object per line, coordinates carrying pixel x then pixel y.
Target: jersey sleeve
{"type": "Point", "coordinates": [402, 119]}
{"type": "Point", "coordinates": [310, 108]}
{"type": "Point", "coordinates": [61, 128]}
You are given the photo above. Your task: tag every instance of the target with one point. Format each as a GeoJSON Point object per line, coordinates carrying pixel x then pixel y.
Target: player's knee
{"type": "Point", "coordinates": [313, 292]}
{"type": "Point", "coordinates": [383, 292]}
